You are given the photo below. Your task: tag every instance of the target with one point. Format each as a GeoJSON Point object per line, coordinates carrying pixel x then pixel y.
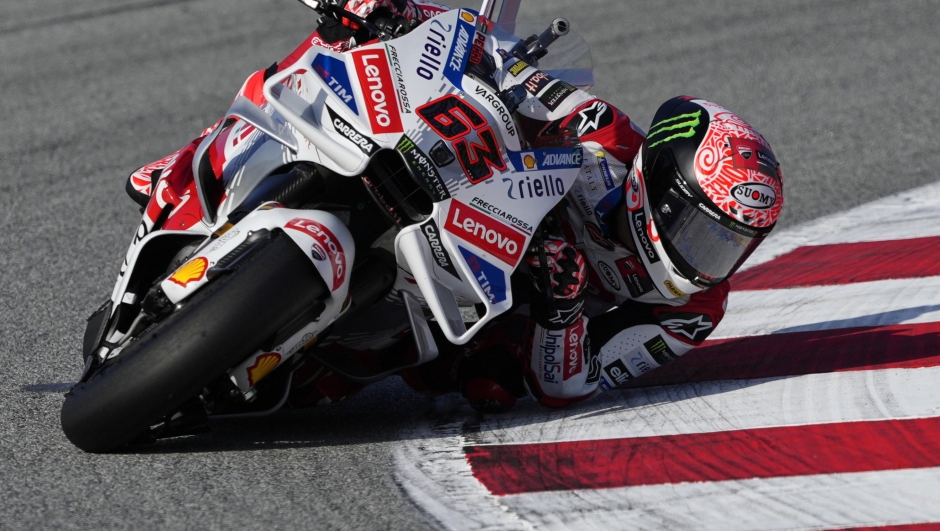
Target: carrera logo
{"type": "Point", "coordinates": [441, 257]}
{"type": "Point", "coordinates": [375, 78]}
{"type": "Point", "coordinates": [754, 195]}
{"type": "Point", "coordinates": [610, 276]}
{"type": "Point", "coordinates": [192, 271]}
{"type": "Point", "coordinates": [328, 243]}
{"type": "Point", "coordinates": [342, 127]}
{"type": "Point", "coordinates": [494, 237]}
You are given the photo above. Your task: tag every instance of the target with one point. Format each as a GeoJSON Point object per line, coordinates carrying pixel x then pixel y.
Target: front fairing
{"type": "Point", "coordinates": [456, 137]}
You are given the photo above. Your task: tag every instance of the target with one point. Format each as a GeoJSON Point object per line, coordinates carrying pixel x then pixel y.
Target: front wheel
{"type": "Point", "coordinates": [221, 325]}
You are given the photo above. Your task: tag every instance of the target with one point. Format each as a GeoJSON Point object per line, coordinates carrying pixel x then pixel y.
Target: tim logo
{"type": "Point", "coordinates": [375, 78]}
{"type": "Point", "coordinates": [333, 71]}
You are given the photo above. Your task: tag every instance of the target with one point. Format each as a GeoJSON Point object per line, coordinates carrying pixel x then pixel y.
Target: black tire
{"type": "Point", "coordinates": [224, 323]}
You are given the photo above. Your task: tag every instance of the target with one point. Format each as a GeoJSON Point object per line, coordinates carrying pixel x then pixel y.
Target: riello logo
{"type": "Point", "coordinates": [494, 237]}
{"type": "Point", "coordinates": [375, 78]}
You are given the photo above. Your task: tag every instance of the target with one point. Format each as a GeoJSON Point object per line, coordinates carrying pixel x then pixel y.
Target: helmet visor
{"type": "Point", "coordinates": [702, 249]}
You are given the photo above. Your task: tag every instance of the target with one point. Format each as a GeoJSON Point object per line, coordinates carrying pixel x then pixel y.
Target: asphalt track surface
{"type": "Point", "coordinates": [91, 89]}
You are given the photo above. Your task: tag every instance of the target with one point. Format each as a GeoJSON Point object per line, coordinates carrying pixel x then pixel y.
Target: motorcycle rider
{"type": "Point", "coordinates": [630, 270]}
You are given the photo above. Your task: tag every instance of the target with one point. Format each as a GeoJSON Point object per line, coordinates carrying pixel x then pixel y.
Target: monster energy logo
{"type": "Point", "coordinates": [690, 120]}
{"type": "Point", "coordinates": [406, 145]}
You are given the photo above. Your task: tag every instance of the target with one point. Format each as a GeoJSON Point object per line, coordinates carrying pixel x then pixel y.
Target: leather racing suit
{"type": "Point", "coordinates": [604, 324]}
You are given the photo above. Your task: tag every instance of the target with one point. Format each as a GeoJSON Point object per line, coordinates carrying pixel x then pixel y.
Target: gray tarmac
{"type": "Point", "coordinates": [91, 89]}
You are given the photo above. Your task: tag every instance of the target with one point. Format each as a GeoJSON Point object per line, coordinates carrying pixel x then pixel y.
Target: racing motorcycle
{"type": "Point", "coordinates": [389, 171]}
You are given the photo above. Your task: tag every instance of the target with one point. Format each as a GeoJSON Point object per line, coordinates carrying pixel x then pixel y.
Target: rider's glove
{"type": "Point", "coordinates": [393, 9]}
{"type": "Point", "coordinates": [558, 272]}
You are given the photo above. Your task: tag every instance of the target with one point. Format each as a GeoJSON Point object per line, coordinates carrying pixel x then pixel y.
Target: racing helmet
{"type": "Point", "coordinates": [704, 191]}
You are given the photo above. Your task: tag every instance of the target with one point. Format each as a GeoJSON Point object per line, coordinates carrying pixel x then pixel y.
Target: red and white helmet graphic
{"type": "Point", "coordinates": [704, 191]}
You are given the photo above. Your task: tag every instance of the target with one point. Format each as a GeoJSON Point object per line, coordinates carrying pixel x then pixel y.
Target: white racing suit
{"type": "Point", "coordinates": [619, 327]}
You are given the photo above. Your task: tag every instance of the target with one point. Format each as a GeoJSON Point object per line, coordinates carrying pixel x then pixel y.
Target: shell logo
{"type": "Point", "coordinates": [263, 366]}
{"type": "Point", "coordinates": [191, 271]}
{"type": "Point", "coordinates": [467, 17]}
{"type": "Point", "coordinates": [529, 162]}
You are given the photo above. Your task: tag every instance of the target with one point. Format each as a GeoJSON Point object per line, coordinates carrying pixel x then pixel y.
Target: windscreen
{"type": "Point", "coordinates": [569, 58]}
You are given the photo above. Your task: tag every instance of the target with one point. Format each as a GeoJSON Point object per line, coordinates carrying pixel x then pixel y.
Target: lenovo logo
{"type": "Point", "coordinates": [494, 237]}
{"type": "Point", "coordinates": [375, 78]}
{"type": "Point", "coordinates": [328, 242]}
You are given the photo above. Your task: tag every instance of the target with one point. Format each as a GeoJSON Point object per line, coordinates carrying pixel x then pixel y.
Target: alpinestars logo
{"type": "Point", "coordinates": [675, 127]}
{"type": "Point", "coordinates": [693, 326]}
{"type": "Point", "coordinates": [595, 117]}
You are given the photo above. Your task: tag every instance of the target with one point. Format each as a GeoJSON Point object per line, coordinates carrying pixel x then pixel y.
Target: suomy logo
{"type": "Point", "coordinates": [754, 195]}
{"type": "Point", "coordinates": [375, 78]}
{"type": "Point", "coordinates": [494, 237]}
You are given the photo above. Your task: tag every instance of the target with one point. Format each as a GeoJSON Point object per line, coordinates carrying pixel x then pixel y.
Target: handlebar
{"type": "Point", "coordinates": [536, 47]}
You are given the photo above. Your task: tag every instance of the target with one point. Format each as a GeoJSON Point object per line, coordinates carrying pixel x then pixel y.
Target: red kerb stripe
{"type": "Point", "coordinates": [932, 526]}
{"type": "Point", "coordinates": [845, 263]}
{"type": "Point", "coordinates": [730, 455]}
{"type": "Point", "coordinates": [822, 351]}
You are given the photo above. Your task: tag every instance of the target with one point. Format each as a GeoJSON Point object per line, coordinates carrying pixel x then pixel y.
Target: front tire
{"type": "Point", "coordinates": [221, 325]}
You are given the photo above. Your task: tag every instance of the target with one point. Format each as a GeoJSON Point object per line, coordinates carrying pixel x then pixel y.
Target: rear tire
{"type": "Point", "coordinates": [220, 326]}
